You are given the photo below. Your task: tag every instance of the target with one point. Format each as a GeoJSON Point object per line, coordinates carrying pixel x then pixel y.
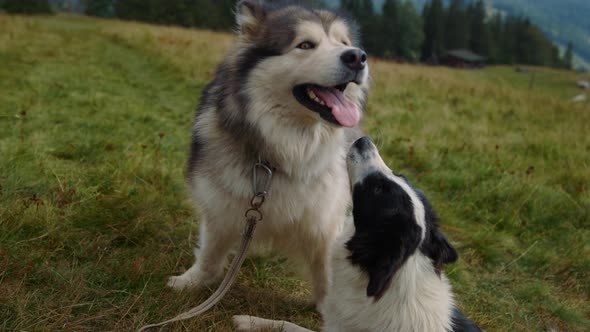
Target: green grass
{"type": "Point", "coordinates": [94, 212]}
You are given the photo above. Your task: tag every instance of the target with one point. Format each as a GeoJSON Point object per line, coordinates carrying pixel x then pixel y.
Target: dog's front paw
{"type": "Point", "coordinates": [182, 282]}
{"type": "Point", "coordinates": [193, 278]}
{"type": "Point", "coordinates": [243, 323]}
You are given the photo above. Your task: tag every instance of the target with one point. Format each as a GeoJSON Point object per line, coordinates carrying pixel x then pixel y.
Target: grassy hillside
{"type": "Point", "coordinates": [94, 212]}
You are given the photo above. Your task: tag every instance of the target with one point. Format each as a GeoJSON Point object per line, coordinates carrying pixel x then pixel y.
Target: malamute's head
{"type": "Point", "coordinates": [299, 64]}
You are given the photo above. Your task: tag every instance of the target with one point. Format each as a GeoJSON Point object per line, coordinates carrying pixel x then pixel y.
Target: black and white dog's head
{"type": "Point", "coordinates": [392, 220]}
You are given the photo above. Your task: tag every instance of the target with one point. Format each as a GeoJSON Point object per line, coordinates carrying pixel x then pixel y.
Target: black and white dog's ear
{"type": "Point", "coordinates": [381, 257]}
{"type": "Point", "coordinates": [250, 14]}
{"type": "Point", "coordinates": [441, 251]}
{"type": "Point", "coordinates": [382, 250]}
{"type": "Point", "coordinates": [381, 273]}
{"type": "Point", "coordinates": [436, 246]}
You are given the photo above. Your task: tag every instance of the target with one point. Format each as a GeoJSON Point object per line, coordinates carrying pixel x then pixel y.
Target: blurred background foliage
{"type": "Point", "coordinates": [404, 30]}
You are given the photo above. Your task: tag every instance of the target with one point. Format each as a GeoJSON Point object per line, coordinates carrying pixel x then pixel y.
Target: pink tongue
{"type": "Point", "coordinates": [345, 111]}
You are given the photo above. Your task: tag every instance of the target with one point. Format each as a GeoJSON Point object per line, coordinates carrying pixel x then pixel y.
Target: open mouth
{"type": "Point", "coordinates": [329, 102]}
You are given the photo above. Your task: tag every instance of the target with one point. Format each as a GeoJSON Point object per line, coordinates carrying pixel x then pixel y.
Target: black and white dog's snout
{"type": "Point", "coordinates": [363, 144]}
{"type": "Point", "coordinates": [362, 150]}
{"type": "Point", "coordinates": [363, 159]}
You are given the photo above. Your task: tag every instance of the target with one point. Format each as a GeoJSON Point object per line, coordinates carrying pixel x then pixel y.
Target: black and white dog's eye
{"type": "Point", "coordinates": [306, 45]}
{"type": "Point", "coordinates": [378, 189]}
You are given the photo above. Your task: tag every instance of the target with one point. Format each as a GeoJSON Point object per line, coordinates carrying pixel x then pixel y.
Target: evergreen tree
{"type": "Point", "coordinates": [138, 10]}
{"type": "Point", "coordinates": [509, 41]}
{"type": "Point", "coordinates": [209, 14]}
{"type": "Point", "coordinates": [351, 6]}
{"type": "Point", "coordinates": [170, 12]}
{"type": "Point", "coordinates": [74, 6]}
{"type": "Point", "coordinates": [27, 6]}
{"type": "Point", "coordinates": [456, 26]}
{"type": "Point", "coordinates": [555, 58]}
{"type": "Point", "coordinates": [536, 53]}
{"type": "Point", "coordinates": [389, 28]}
{"type": "Point", "coordinates": [479, 39]}
{"type": "Point", "coordinates": [495, 27]}
{"type": "Point", "coordinates": [101, 8]}
{"type": "Point", "coordinates": [364, 13]}
{"type": "Point", "coordinates": [220, 16]}
{"type": "Point", "coordinates": [369, 23]}
{"type": "Point", "coordinates": [434, 31]}
{"type": "Point", "coordinates": [366, 9]}
{"type": "Point", "coordinates": [522, 43]}
{"type": "Point", "coordinates": [568, 57]}
{"type": "Point", "coordinates": [409, 35]}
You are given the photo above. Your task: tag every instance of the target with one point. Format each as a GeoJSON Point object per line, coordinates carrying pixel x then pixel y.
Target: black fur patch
{"type": "Point", "coordinates": [386, 232]}
{"type": "Point", "coordinates": [250, 58]}
{"type": "Point", "coordinates": [233, 103]}
{"type": "Point", "coordinates": [461, 323]}
{"type": "Point", "coordinates": [197, 145]}
{"type": "Point", "coordinates": [305, 10]}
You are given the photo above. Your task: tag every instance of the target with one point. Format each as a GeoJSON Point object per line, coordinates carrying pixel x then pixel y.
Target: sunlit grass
{"type": "Point", "coordinates": [94, 213]}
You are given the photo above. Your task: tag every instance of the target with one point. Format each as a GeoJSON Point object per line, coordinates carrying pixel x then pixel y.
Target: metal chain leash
{"type": "Point", "coordinates": [260, 186]}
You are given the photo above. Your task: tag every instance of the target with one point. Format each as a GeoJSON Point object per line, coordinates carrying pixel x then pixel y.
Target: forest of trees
{"type": "Point", "coordinates": [400, 32]}
{"type": "Point", "coordinates": [26, 7]}
{"type": "Point", "coordinates": [397, 31]}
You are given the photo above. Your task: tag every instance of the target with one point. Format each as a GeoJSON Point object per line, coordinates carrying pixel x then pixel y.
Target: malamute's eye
{"type": "Point", "coordinates": [306, 45]}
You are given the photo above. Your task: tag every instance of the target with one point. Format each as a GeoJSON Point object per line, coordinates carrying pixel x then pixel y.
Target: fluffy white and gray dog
{"type": "Point", "coordinates": [388, 262]}
{"type": "Point", "coordinates": [290, 93]}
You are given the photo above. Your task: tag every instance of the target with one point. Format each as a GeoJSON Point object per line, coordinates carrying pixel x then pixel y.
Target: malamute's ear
{"type": "Point", "coordinates": [249, 15]}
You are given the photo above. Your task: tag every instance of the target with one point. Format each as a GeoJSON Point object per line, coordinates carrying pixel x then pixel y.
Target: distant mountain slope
{"type": "Point", "coordinates": [561, 20]}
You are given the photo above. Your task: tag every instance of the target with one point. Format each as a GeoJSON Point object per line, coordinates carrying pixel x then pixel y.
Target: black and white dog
{"type": "Point", "coordinates": [387, 265]}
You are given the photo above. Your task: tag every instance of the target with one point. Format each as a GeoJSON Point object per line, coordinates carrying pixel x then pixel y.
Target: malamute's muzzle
{"type": "Point", "coordinates": [329, 101]}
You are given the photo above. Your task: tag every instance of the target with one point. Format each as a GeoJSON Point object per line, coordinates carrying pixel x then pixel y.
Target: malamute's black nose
{"type": "Point", "coordinates": [363, 144]}
{"type": "Point", "coordinates": [355, 59]}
